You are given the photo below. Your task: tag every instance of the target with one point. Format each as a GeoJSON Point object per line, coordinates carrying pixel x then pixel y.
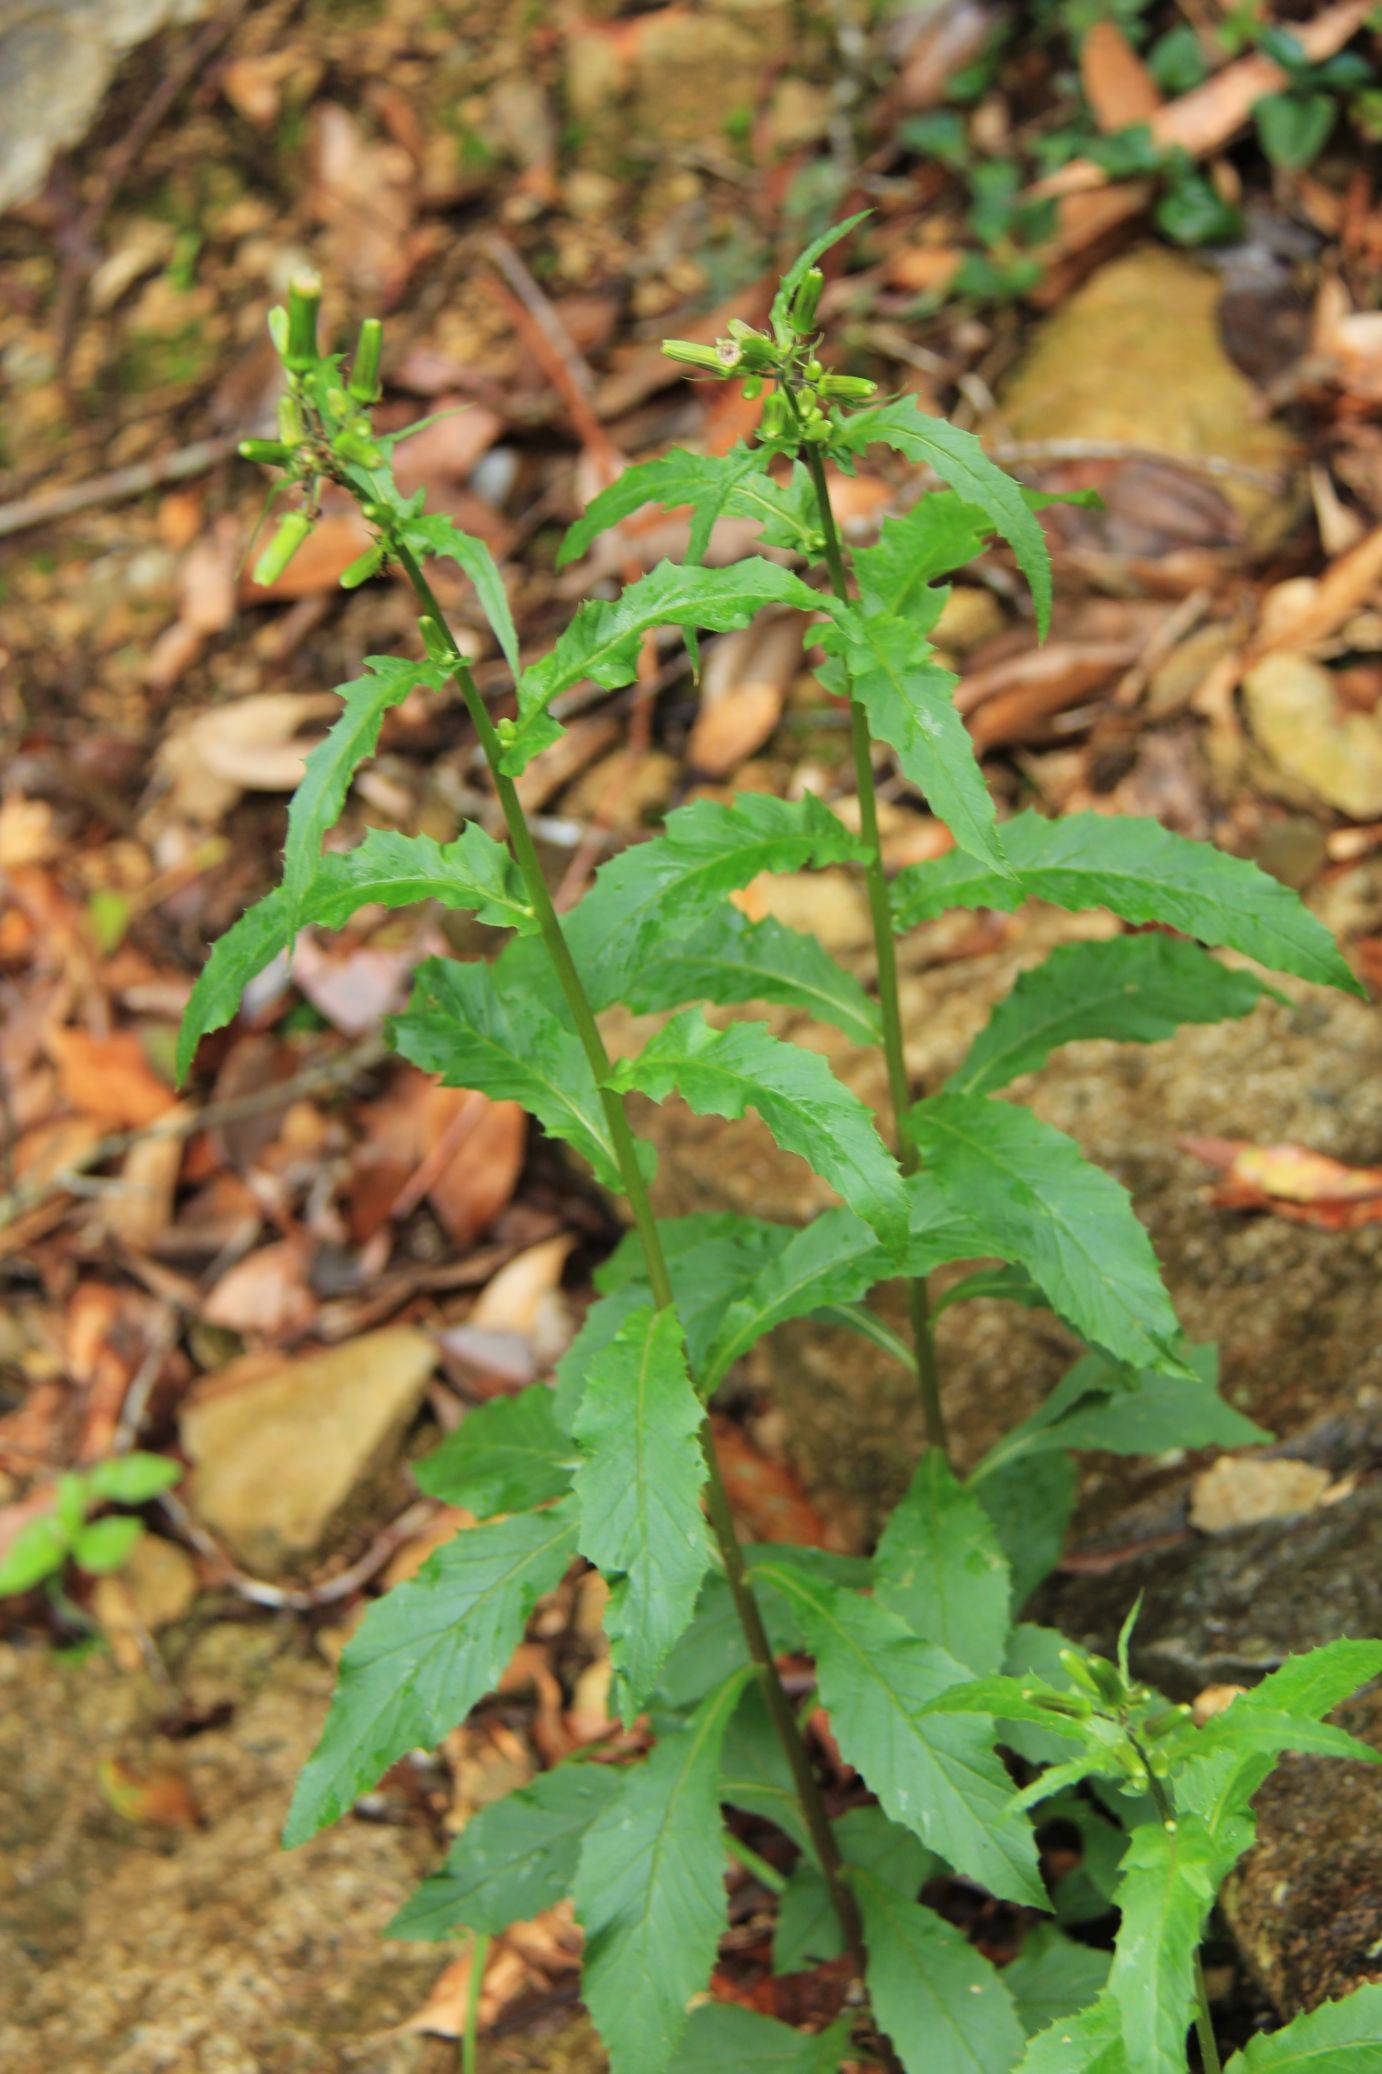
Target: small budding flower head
{"type": "Point", "coordinates": [688, 354]}
{"type": "Point", "coordinates": [806, 302]}
{"type": "Point", "coordinates": [292, 531]}
{"type": "Point", "coordinates": [364, 371]}
{"type": "Point", "coordinates": [304, 301]}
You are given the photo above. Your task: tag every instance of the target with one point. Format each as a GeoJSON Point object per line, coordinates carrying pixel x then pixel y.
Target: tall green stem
{"type": "Point", "coordinates": [885, 951]}
{"type": "Point", "coordinates": [659, 1282]}
{"type": "Point", "coordinates": [1204, 2019]}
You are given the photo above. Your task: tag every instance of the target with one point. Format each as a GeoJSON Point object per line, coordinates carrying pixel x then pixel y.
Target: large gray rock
{"type": "Point", "coordinates": [57, 58]}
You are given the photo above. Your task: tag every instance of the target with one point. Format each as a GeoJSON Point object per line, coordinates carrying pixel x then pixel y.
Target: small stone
{"type": "Point", "coordinates": [153, 1587]}
{"type": "Point", "coordinates": [287, 1455]}
{"type": "Point", "coordinates": [1314, 749]}
{"type": "Point", "coordinates": [1243, 1490]}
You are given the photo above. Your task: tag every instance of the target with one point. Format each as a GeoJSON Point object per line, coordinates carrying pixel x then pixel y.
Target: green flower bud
{"type": "Point", "coordinates": [304, 301]}
{"type": "Point", "coordinates": [813, 370]}
{"type": "Point", "coordinates": [806, 302]}
{"type": "Point", "coordinates": [687, 354]}
{"type": "Point", "coordinates": [272, 453]}
{"type": "Point", "coordinates": [278, 330]}
{"type": "Point", "coordinates": [291, 533]}
{"type": "Point", "coordinates": [434, 640]}
{"type": "Point", "coordinates": [855, 387]}
{"type": "Point", "coordinates": [753, 388]}
{"type": "Point", "coordinates": [289, 420]}
{"type": "Point", "coordinates": [362, 568]}
{"type": "Point", "coordinates": [818, 432]}
{"type": "Point", "coordinates": [507, 731]}
{"type": "Point", "coordinates": [364, 369]}
{"type": "Point", "coordinates": [353, 445]}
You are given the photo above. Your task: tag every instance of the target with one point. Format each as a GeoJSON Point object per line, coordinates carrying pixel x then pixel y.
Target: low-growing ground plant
{"type": "Point", "coordinates": [67, 1534]}
{"type": "Point", "coordinates": [959, 1719]}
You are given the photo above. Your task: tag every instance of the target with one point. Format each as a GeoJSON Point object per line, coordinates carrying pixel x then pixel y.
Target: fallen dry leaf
{"type": "Point", "coordinates": [28, 834]}
{"type": "Point", "coordinates": [158, 1795]}
{"type": "Point", "coordinates": [454, 1147]}
{"type": "Point", "coordinates": [364, 195]}
{"type": "Point", "coordinates": [527, 1956]}
{"type": "Point", "coordinates": [743, 690]}
{"type": "Point", "coordinates": [1243, 1490]}
{"type": "Point", "coordinates": [1119, 88]}
{"type": "Point", "coordinates": [109, 1078]}
{"type": "Point", "coordinates": [520, 1297]}
{"type": "Point", "coordinates": [766, 1495]}
{"type": "Point", "coordinates": [1291, 1181]}
{"type": "Point", "coordinates": [266, 1294]}
{"type": "Point", "coordinates": [139, 1207]}
{"type": "Point", "coordinates": [248, 745]}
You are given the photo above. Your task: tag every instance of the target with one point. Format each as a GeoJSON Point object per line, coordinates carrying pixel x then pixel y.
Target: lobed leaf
{"type": "Point", "coordinates": [639, 1489]}
{"type": "Point", "coordinates": [492, 1028]}
{"type": "Point", "coordinates": [909, 698]}
{"type": "Point", "coordinates": [1135, 988]}
{"type": "Point", "coordinates": [426, 1652]}
{"type": "Point", "coordinates": [430, 534]}
{"type": "Point", "coordinates": [602, 642]}
{"type": "Point", "coordinates": [1033, 1198]}
{"type": "Point", "coordinates": [959, 460]}
{"type": "Point", "coordinates": [729, 959]}
{"type": "Point", "coordinates": [1088, 2043]}
{"type": "Point", "coordinates": [650, 1894]}
{"type": "Point", "coordinates": [941, 2002]}
{"type": "Point", "coordinates": [505, 1456]}
{"type": "Point", "coordinates": [807, 1110]}
{"type": "Point", "coordinates": [1170, 1874]}
{"type": "Point", "coordinates": [939, 1568]}
{"type": "Point", "coordinates": [1144, 873]}
{"type": "Point", "coordinates": [897, 577]}
{"type": "Point", "coordinates": [804, 261]}
{"type": "Point", "coordinates": [514, 1858]}
{"type": "Point", "coordinates": [1343, 2037]}
{"type": "Point", "coordinates": [940, 1779]}
{"type": "Point", "coordinates": [714, 486]}
{"type": "Point", "coordinates": [1053, 1976]}
{"type": "Point", "coordinates": [645, 901]}
{"type": "Point", "coordinates": [1029, 1503]}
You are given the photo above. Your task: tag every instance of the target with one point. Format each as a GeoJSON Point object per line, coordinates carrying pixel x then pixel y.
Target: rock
{"type": "Point", "coordinates": [1305, 1906]}
{"type": "Point", "coordinates": [288, 1455]}
{"type": "Point", "coordinates": [153, 1587]}
{"type": "Point", "coordinates": [1242, 1490]}
{"type": "Point", "coordinates": [1134, 357]}
{"type": "Point", "coordinates": [1294, 1310]}
{"type": "Point", "coordinates": [56, 61]}
{"type": "Point", "coordinates": [1314, 749]}
{"type": "Point", "coordinates": [673, 77]}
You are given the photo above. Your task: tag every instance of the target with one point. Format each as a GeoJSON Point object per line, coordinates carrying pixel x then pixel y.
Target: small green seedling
{"type": "Point", "coordinates": [934, 1689]}
{"type": "Point", "coordinates": [42, 1549]}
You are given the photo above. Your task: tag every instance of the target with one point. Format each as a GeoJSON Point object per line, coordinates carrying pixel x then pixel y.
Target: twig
{"type": "Point", "coordinates": [283, 1597]}
{"type": "Point", "coordinates": [1017, 451]}
{"type": "Point", "coordinates": [344, 1067]}
{"type": "Point", "coordinates": [40, 510]}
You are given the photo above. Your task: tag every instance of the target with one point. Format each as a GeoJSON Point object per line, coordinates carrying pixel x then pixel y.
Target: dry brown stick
{"type": "Point", "coordinates": [41, 509]}
{"type": "Point", "coordinates": [261, 1593]}
{"type": "Point", "coordinates": [340, 1070]}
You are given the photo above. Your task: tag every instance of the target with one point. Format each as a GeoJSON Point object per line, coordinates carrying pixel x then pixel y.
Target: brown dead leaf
{"type": "Point", "coordinates": [1291, 1181]}
{"type": "Point", "coordinates": [206, 602]}
{"type": "Point", "coordinates": [528, 1956]}
{"type": "Point", "coordinates": [109, 1078]}
{"type": "Point", "coordinates": [138, 1209]}
{"type": "Point", "coordinates": [451, 1145]}
{"type": "Point", "coordinates": [924, 269]}
{"type": "Point", "coordinates": [1011, 698]}
{"type": "Point", "coordinates": [248, 745]}
{"type": "Point", "coordinates": [354, 986]}
{"type": "Point", "coordinates": [766, 1495]}
{"type": "Point", "coordinates": [265, 1294]}
{"type": "Point", "coordinates": [156, 1794]}
{"type": "Point", "coordinates": [744, 687]}
{"type": "Point", "coordinates": [1118, 87]}
{"type": "Point", "coordinates": [1243, 1490]}
{"type": "Point", "coordinates": [28, 832]}
{"type": "Point", "coordinates": [1308, 610]}
{"type": "Point", "coordinates": [364, 195]}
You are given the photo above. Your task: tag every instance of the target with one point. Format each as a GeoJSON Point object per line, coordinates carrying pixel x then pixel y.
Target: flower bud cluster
{"type": "Point", "coordinates": [802, 404]}
{"type": "Point", "coordinates": [324, 426]}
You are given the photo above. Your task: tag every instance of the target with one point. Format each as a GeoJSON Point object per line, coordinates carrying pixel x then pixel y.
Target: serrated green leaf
{"type": "Point", "coordinates": [639, 1490]}
{"type": "Point", "coordinates": [386, 868]}
{"type": "Point", "coordinates": [1089, 2043]}
{"type": "Point", "coordinates": [754, 1773]}
{"type": "Point", "coordinates": [1219, 1787]}
{"type": "Point", "coordinates": [394, 870]}
{"type": "Point", "coordinates": [650, 1892]}
{"type": "Point", "coordinates": [1102, 1403]}
{"type": "Point", "coordinates": [939, 1779]}
{"type": "Point", "coordinates": [728, 959]}
{"type": "Point", "coordinates": [1029, 1503]}
{"type": "Point", "coordinates": [1136, 988]}
{"type": "Point", "coordinates": [431, 534]}
{"type": "Point", "coordinates": [651, 896]}
{"type": "Point", "coordinates": [944, 2007]}
{"type": "Point", "coordinates": [804, 261]}
{"type": "Point", "coordinates": [1170, 1873]}
{"type": "Point", "coordinates": [909, 699]}
{"type": "Point", "coordinates": [958, 459]}
{"type": "Point", "coordinates": [602, 642]}
{"type": "Point", "coordinates": [1261, 1729]}
{"type": "Point", "coordinates": [722, 2038]}
{"type": "Point", "coordinates": [1001, 1284]}
{"type": "Point", "coordinates": [1343, 2037]}
{"type": "Point", "coordinates": [426, 1652]}
{"type": "Point", "coordinates": [505, 1456]}
{"type": "Point", "coordinates": [1008, 1698]}
{"type": "Point", "coordinates": [1053, 1976]}
{"type": "Point", "coordinates": [898, 575]}
{"type": "Point", "coordinates": [1144, 873]}
{"type": "Point", "coordinates": [485, 1027]}
{"type": "Point", "coordinates": [1033, 1198]}
{"type": "Point", "coordinates": [939, 1568]}
{"type": "Point", "coordinates": [808, 1928]}
{"type": "Point", "coordinates": [513, 1859]}
{"type": "Point", "coordinates": [131, 1479]}
{"type": "Point", "coordinates": [714, 486]}
{"type": "Point", "coordinates": [807, 1110]}
{"type": "Point", "coordinates": [316, 804]}
{"type": "Point", "coordinates": [713, 1646]}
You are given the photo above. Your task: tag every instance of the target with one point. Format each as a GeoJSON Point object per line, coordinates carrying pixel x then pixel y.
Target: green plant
{"type": "Point", "coordinates": [44, 1546]}
{"type": "Point", "coordinates": [918, 1662]}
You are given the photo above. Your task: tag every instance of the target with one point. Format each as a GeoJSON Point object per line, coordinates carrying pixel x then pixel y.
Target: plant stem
{"type": "Point", "coordinates": [470, 2042]}
{"type": "Point", "coordinates": [885, 951]}
{"type": "Point", "coordinates": [659, 1282]}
